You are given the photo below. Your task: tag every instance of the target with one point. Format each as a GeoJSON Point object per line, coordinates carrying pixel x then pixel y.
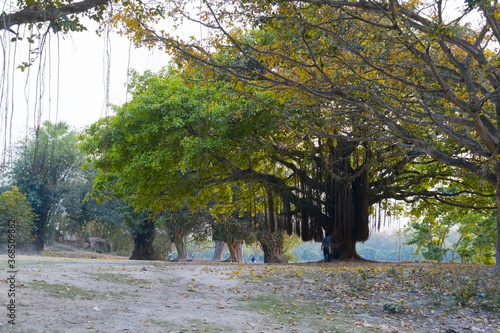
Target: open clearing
{"type": "Point", "coordinates": [54, 294]}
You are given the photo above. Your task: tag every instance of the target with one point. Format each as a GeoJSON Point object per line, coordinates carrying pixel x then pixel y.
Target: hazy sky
{"type": "Point", "coordinates": [82, 80]}
{"type": "Point", "coordinates": [73, 84]}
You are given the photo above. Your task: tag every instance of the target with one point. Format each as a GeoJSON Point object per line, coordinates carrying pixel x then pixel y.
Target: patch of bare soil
{"type": "Point", "coordinates": [118, 295]}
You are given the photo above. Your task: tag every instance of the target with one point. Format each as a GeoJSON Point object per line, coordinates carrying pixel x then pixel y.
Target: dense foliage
{"type": "Point", "coordinates": [44, 163]}
{"type": "Point", "coordinates": [14, 207]}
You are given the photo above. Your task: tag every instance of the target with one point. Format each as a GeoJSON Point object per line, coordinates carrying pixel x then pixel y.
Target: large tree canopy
{"type": "Point", "coordinates": [184, 137]}
{"type": "Point", "coordinates": [423, 74]}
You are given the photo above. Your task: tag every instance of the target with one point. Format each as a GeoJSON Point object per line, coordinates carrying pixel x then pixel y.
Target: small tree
{"type": "Point", "coordinates": [429, 237]}
{"type": "Point", "coordinates": [477, 238]}
{"type": "Point", "coordinates": [15, 207]}
{"type": "Point", "coordinates": [44, 163]}
{"type": "Point", "coordinates": [432, 224]}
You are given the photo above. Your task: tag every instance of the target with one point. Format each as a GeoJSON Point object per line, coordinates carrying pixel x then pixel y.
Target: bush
{"type": "Point", "coordinates": [15, 207]}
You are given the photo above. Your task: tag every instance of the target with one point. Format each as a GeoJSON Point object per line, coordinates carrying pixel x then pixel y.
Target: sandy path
{"type": "Point", "coordinates": [101, 295]}
{"type": "Point", "coordinates": [119, 296]}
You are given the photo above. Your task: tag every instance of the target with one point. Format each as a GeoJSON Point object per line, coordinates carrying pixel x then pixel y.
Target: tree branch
{"type": "Point", "coordinates": [32, 14]}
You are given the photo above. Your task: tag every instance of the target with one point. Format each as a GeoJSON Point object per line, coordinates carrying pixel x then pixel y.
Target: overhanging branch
{"type": "Point", "coordinates": [32, 14]}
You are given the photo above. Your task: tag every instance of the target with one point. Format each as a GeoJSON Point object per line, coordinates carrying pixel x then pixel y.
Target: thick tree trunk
{"type": "Point", "coordinates": [239, 251]}
{"type": "Point", "coordinates": [235, 248]}
{"type": "Point", "coordinates": [273, 254]}
{"type": "Point", "coordinates": [180, 245]}
{"type": "Point", "coordinates": [219, 251]}
{"type": "Point", "coordinates": [348, 251]}
{"type": "Point", "coordinates": [343, 250]}
{"type": "Point", "coordinates": [144, 236]}
{"type": "Point", "coordinates": [39, 243]}
{"type": "Point", "coordinates": [40, 231]}
{"type": "Point", "coordinates": [232, 251]}
{"type": "Point", "coordinates": [272, 246]}
{"type": "Point", "coordinates": [182, 252]}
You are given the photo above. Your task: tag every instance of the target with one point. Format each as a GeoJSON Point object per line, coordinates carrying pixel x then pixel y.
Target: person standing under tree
{"type": "Point", "coordinates": [325, 246]}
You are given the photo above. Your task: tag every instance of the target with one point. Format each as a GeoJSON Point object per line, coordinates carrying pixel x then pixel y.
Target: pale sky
{"type": "Point", "coordinates": [75, 77]}
{"type": "Point", "coordinates": [74, 80]}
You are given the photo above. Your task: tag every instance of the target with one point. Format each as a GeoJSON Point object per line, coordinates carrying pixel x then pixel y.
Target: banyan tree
{"type": "Point", "coordinates": [334, 198]}
{"type": "Point", "coordinates": [332, 189]}
{"type": "Point", "coordinates": [327, 194]}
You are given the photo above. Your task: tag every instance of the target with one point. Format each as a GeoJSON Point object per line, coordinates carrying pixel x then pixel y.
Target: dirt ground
{"type": "Point", "coordinates": [106, 294]}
